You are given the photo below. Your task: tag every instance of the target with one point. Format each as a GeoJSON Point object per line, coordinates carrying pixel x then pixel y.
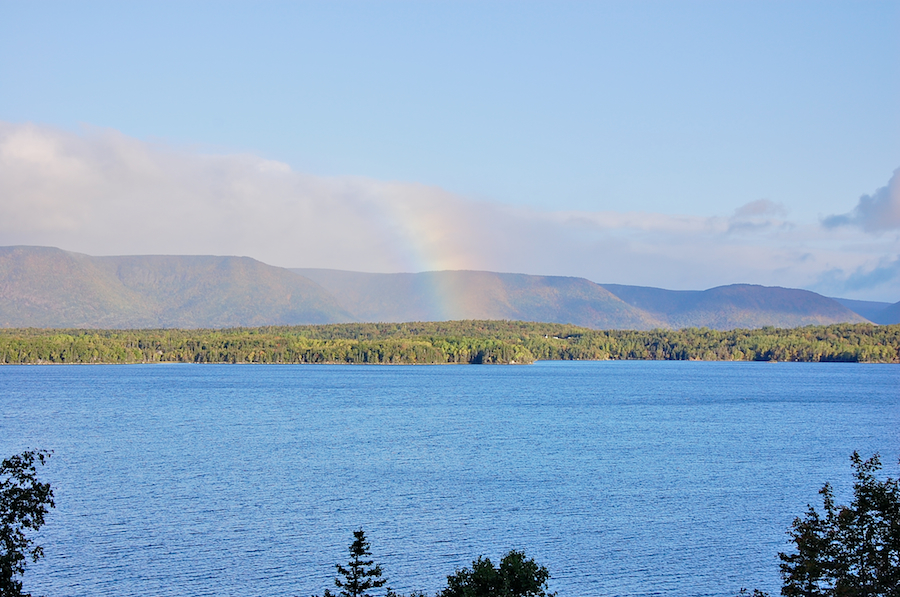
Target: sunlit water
{"type": "Point", "coordinates": [624, 478]}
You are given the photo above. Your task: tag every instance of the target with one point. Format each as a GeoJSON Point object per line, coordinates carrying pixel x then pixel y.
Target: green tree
{"type": "Point", "coordinates": [24, 501]}
{"type": "Point", "coordinates": [848, 551]}
{"type": "Point", "coordinates": [360, 575]}
{"type": "Point", "coordinates": [515, 577]}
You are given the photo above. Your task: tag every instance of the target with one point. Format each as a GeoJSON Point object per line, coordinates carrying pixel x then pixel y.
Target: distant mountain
{"type": "Point", "coordinates": [47, 287]}
{"type": "Point", "coordinates": [890, 315]}
{"type": "Point", "coordinates": [876, 312]}
{"type": "Point", "coordinates": [736, 306]}
{"type": "Point", "coordinates": [436, 296]}
{"type": "Point", "coordinates": [449, 295]}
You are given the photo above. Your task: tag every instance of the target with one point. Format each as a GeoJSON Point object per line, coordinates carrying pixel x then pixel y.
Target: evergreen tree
{"type": "Point", "coordinates": [360, 575]}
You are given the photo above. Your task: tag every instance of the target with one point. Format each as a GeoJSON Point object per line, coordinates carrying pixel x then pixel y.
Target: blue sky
{"type": "Point", "coordinates": [674, 144]}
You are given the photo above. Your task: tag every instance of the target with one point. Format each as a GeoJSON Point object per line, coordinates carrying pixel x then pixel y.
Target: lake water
{"type": "Point", "coordinates": [623, 478]}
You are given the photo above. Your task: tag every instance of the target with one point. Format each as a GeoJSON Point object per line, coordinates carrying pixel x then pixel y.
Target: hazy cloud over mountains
{"type": "Point", "coordinates": [104, 193]}
{"type": "Point", "coordinates": [874, 213]}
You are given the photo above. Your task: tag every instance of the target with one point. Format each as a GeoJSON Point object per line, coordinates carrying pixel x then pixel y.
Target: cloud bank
{"type": "Point", "coordinates": [103, 193]}
{"type": "Point", "coordinates": [874, 213]}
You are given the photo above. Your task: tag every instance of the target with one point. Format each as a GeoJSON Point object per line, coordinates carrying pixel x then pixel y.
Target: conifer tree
{"type": "Point", "coordinates": [361, 574]}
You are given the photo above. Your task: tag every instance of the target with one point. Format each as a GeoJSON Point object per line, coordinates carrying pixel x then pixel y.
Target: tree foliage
{"type": "Point", "coordinates": [361, 574]}
{"type": "Point", "coordinates": [848, 551]}
{"type": "Point", "coordinates": [516, 576]}
{"type": "Point", "coordinates": [472, 342]}
{"type": "Point", "coordinates": [24, 502]}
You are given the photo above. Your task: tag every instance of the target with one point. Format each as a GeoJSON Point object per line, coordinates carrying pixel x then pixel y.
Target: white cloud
{"type": "Point", "coordinates": [877, 212]}
{"type": "Point", "coordinates": [103, 193]}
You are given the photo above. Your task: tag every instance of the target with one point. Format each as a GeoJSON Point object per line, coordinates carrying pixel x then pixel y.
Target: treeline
{"type": "Point", "coordinates": [472, 342]}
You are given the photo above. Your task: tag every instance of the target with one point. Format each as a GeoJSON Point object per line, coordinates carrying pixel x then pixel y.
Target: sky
{"type": "Point", "coordinates": [679, 144]}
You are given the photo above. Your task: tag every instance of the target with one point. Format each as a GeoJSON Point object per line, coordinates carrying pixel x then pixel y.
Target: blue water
{"type": "Point", "coordinates": [624, 478]}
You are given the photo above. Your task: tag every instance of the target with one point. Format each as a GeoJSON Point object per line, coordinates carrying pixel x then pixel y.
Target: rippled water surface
{"type": "Point", "coordinates": [624, 478]}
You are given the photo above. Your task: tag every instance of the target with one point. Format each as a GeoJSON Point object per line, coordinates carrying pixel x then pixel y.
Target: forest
{"type": "Point", "coordinates": [462, 342]}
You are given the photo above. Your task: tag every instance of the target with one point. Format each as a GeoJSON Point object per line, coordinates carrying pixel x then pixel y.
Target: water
{"type": "Point", "coordinates": [624, 478]}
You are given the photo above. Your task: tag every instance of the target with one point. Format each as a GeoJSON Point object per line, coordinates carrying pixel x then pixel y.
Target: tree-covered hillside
{"type": "Point", "coordinates": [47, 287]}
{"type": "Point", "coordinates": [473, 342]}
{"type": "Point", "coordinates": [51, 288]}
{"type": "Point", "coordinates": [457, 295]}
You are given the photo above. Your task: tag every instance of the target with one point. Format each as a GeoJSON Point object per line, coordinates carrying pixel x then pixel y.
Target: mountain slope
{"type": "Point", "coordinates": [876, 312]}
{"type": "Point", "coordinates": [890, 315]}
{"type": "Point", "coordinates": [448, 295]}
{"type": "Point", "coordinates": [46, 287]}
{"type": "Point", "coordinates": [736, 306]}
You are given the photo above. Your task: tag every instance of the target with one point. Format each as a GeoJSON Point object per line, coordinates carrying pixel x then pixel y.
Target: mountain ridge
{"type": "Point", "coordinates": [472, 294]}
{"type": "Point", "coordinates": [47, 287]}
{"type": "Point", "coordinates": [875, 311]}
{"type": "Point", "coordinates": [736, 306]}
